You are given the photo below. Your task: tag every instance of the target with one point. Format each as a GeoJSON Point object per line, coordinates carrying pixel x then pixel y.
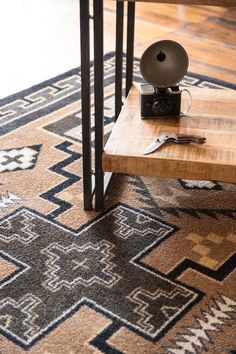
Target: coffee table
{"type": "Point", "coordinates": [213, 115]}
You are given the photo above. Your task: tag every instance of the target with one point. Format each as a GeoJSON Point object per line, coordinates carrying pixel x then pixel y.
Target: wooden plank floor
{"type": "Point", "coordinates": [32, 52]}
{"type": "Point", "coordinates": [207, 33]}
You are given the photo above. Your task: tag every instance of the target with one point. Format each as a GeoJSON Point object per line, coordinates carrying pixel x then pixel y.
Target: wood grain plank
{"type": "Point", "coordinates": [206, 32]}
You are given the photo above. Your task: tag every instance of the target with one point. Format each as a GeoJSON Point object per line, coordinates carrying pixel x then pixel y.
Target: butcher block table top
{"type": "Point", "coordinates": [213, 115]}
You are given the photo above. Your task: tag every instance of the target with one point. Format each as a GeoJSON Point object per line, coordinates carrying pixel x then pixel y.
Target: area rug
{"type": "Point", "coordinates": [154, 273]}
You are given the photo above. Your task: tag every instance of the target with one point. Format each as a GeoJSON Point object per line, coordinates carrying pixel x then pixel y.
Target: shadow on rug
{"type": "Point", "coordinates": [155, 273]}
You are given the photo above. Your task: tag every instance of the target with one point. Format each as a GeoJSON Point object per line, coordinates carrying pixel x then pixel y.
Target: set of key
{"type": "Point", "coordinates": [175, 138]}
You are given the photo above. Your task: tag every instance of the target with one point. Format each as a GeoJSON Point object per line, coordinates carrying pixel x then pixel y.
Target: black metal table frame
{"type": "Point", "coordinates": [95, 182]}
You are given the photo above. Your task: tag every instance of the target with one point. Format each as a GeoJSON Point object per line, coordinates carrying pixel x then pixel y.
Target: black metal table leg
{"type": "Point", "coordinates": [119, 56]}
{"type": "Point", "coordinates": [100, 185]}
{"type": "Point", "coordinates": [130, 46]}
{"type": "Point", "coordinates": [85, 98]}
{"type": "Point", "coordinates": [98, 101]}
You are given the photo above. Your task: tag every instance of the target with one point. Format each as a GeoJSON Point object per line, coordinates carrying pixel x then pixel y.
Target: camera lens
{"type": "Point", "coordinates": [161, 107]}
{"type": "Point", "coordinates": [161, 56]}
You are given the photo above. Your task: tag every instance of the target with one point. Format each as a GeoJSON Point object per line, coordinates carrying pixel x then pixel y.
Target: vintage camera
{"type": "Point", "coordinates": [162, 66]}
{"type": "Point", "coordinates": [160, 101]}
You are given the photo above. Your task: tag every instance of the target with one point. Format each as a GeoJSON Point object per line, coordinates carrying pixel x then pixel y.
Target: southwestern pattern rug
{"type": "Point", "coordinates": [154, 273]}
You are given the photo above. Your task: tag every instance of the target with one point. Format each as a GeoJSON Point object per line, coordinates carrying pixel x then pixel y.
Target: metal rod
{"type": "Point", "coordinates": [98, 101]}
{"type": "Point", "coordinates": [107, 180]}
{"type": "Point", "coordinates": [130, 46]}
{"type": "Point", "coordinates": [119, 56]}
{"type": "Point", "coordinates": [85, 99]}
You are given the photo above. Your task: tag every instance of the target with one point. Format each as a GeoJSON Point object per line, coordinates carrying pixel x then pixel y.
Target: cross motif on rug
{"type": "Point", "coordinates": [19, 158]}
{"type": "Point", "coordinates": [15, 159]}
{"type": "Point", "coordinates": [97, 265]}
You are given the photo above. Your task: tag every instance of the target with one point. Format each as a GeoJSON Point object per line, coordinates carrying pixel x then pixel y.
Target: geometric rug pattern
{"type": "Point", "coordinates": [18, 158]}
{"type": "Point", "coordinates": [154, 273]}
{"type": "Point", "coordinates": [84, 267]}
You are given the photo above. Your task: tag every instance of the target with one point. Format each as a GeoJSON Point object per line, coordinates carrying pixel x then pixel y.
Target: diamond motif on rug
{"type": "Point", "coordinates": [19, 158]}
{"type": "Point", "coordinates": [86, 265]}
{"type": "Point", "coordinates": [205, 185]}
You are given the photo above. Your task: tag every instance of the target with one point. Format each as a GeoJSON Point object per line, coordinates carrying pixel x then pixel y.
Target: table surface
{"type": "Point", "coordinates": [190, 2]}
{"type": "Point", "coordinates": [212, 115]}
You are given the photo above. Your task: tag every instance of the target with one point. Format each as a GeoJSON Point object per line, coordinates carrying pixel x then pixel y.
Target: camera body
{"type": "Point", "coordinates": [160, 102]}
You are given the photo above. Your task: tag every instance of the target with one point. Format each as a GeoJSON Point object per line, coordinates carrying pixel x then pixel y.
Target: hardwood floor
{"type": "Point", "coordinates": [41, 39]}
{"type": "Point", "coordinates": [207, 33]}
